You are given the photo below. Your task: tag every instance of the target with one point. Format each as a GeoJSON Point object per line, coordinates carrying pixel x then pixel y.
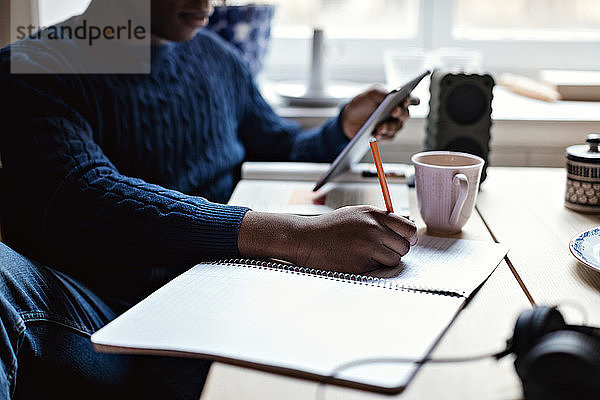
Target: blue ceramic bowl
{"type": "Point", "coordinates": [247, 27]}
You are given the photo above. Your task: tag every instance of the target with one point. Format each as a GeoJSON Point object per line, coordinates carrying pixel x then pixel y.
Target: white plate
{"type": "Point", "coordinates": [586, 247]}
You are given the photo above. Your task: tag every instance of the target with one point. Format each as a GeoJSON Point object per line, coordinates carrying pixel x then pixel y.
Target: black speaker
{"type": "Point", "coordinates": [460, 111]}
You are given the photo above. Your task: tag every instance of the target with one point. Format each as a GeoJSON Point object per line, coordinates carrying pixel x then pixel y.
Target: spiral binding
{"type": "Point", "coordinates": [336, 276]}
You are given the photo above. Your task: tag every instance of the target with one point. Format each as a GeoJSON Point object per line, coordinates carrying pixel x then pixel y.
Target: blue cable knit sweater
{"type": "Point", "coordinates": [129, 172]}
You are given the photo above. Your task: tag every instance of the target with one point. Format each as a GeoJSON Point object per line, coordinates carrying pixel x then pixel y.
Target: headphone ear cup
{"type": "Point", "coordinates": [532, 325]}
{"type": "Point", "coordinates": [561, 365]}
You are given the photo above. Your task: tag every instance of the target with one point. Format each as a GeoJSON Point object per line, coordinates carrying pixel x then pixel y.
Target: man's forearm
{"type": "Point", "coordinates": [263, 235]}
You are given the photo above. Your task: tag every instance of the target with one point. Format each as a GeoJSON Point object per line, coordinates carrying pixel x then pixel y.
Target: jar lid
{"type": "Point", "coordinates": [586, 152]}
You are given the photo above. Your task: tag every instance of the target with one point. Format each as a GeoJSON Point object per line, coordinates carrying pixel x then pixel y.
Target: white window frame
{"type": "Point", "coordinates": [361, 59]}
{"type": "Point", "coordinates": [20, 12]}
{"type": "Point", "coordinates": [515, 53]}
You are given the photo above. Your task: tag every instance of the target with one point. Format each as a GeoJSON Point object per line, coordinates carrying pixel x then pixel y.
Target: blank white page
{"type": "Point", "coordinates": [273, 318]}
{"type": "Point", "coordinates": [448, 265]}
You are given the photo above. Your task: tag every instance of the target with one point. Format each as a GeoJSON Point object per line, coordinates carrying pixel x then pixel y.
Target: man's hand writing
{"type": "Point", "coordinates": [351, 239]}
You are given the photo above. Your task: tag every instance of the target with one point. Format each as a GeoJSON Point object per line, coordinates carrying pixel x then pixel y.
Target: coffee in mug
{"type": "Point", "coordinates": [447, 183]}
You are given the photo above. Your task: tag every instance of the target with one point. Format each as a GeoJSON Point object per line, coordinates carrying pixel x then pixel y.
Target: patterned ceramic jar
{"type": "Point", "coordinates": [583, 176]}
{"type": "Point", "coordinates": [247, 27]}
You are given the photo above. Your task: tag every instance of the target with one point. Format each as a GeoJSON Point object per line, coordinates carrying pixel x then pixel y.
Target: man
{"type": "Point", "coordinates": [117, 181]}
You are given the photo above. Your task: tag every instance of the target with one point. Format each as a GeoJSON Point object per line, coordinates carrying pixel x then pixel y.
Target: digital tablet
{"type": "Point", "coordinates": [355, 150]}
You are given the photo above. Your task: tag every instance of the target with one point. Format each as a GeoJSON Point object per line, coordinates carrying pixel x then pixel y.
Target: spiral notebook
{"type": "Point", "coordinates": [306, 322]}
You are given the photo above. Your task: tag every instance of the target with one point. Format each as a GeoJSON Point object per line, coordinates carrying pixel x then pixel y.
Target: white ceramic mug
{"type": "Point", "coordinates": [447, 183]}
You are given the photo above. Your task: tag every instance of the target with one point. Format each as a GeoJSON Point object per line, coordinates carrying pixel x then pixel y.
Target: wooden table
{"type": "Point", "coordinates": [521, 207]}
{"type": "Point", "coordinates": [524, 209]}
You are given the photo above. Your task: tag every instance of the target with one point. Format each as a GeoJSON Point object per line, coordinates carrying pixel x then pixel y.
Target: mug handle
{"type": "Point", "coordinates": [461, 181]}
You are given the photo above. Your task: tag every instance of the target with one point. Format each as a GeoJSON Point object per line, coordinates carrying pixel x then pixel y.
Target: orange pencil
{"type": "Point", "coordinates": [381, 175]}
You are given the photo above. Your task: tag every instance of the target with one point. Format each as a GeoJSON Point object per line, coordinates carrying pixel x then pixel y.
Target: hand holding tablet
{"type": "Point", "coordinates": [357, 147]}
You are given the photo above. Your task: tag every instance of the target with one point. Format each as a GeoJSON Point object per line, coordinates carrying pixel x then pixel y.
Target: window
{"type": "Point", "coordinates": [511, 34]}
{"type": "Point", "coordinates": [357, 31]}
{"type": "Point", "coordinates": [348, 18]}
{"type": "Point", "coordinates": [522, 34]}
{"type": "Point", "coordinates": [53, 11]}
{"type": "Point", "coordinates": [557, 20]}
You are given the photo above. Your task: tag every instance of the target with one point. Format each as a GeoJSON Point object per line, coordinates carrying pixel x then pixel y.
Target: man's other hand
{"type": "Point", "coordinates": [360, 108]}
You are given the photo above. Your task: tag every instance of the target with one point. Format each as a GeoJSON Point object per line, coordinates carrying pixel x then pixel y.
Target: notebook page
{"type": "Point", "coordinates": [286, 320]}
{"type": "Point", "coordinates": [452, 265]}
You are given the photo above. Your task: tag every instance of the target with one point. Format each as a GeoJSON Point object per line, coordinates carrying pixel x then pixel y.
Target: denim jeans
{"type": "Point", "coordinates": [47, 318]}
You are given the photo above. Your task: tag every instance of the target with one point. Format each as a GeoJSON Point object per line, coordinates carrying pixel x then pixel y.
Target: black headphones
{"type": "Point", "coordinates": [555, 361]}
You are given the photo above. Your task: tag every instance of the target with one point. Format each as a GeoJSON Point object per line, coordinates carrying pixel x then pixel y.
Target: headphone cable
{"type": "Point", "coordinates": [399, 360]}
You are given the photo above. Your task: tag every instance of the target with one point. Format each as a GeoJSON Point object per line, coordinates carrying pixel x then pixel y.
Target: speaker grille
{"type": "Point", "coordinates": [466, 104]}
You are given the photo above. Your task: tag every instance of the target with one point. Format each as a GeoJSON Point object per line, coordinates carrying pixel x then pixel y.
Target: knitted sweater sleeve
{"type": "Point", "coordinates": [66, 199]}
{"type": "Point", "coordinates": [268, 137]}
